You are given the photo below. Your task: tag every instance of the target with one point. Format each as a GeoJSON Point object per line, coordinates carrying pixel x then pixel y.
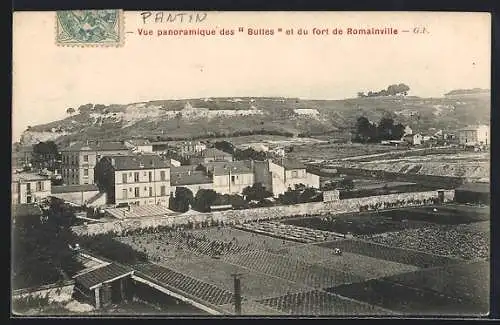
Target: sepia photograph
{"type": "Point", "coordinates": [307, 164]}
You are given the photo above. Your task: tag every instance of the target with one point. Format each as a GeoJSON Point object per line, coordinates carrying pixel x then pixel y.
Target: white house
{"type": "Point", "coordinates": [139, 145]}
{"type": "Point", "coordinates": [474, 135]}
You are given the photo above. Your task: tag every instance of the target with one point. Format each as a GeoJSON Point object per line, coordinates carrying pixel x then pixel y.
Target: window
{"type": "Point", "coordinates": [124, 178]}
{"type": "Point", "coordinates": [136, 192]}
{"type": "Point", "coordinates": [136, 177]}
{"type": "Point", "coordinates": [85, 158]}
{"type": "Point", "coordinates": [144, 174]}
{"type": "Point", "coordinates": [150, 176]}
{"type": "Point", "coordinates": [85, 172]}
{"type": "Point", "coordinates": [232, 178]}
{"type": "Point", "coordinates": [28, 187]}
{"type": "Point", "coordinates": [162, 175]}
{"type": "Point", "coordinates": [295, 174]}
{"type": "Point", "coordinates": [39, 186]}
{"type": "Point", "coordinates": [162, 190]}
{"type": "Point", "coordinates": [86, 181]}
{"type": "Point", "coordinates": [150, 191]}
{"type": "Point", "coordinates": [124, 193]}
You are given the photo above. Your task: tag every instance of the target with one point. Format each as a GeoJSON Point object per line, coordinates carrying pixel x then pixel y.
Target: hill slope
{"type": "Point", "coordinates": [290, 116]}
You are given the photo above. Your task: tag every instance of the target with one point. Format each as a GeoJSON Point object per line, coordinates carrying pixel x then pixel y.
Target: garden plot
{"type": "Point", "coordinates": [290, 232]}
{"type": "Point", "coordinates": [360, 265]}
{"type": "Point", "coordinates": [217, 272]}
{"type": "Point", "coordinates": [291, 269]}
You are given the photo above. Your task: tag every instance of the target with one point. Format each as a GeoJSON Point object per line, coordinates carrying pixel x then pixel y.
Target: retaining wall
{"type": "Point", "coordinates": [55, 292]}
{"type": "Point", "coordinates": [241, 216]}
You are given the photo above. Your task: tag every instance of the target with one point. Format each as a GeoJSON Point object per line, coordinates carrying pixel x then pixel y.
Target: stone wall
{"type": "Point", "coordinates": [55, 292]}
{"type": "Point", "coordinates": [241, 216]}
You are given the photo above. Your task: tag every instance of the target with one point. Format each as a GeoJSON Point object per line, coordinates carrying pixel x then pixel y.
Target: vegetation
{"type": "Point", "coordinates": [182, 200]}
{"type": "Point", "coordinates": [300, 194]}
{"type": "Point", "coordinates": [40, 247]}
{"type": "Point", "coordinates": [256, 192]}
{"type": "Point", "coordinates": [106, 246]}
{"type": "Point", "coordinates": [46, 155]}
{"type": "Point", "coordinates": [368, 132]}
{"type": "Point", "coordinates": [467, 91]}
{"type": "Point", "coordinates": [392, 90]}
{"type": "Point", "coordinates": [204, 199]}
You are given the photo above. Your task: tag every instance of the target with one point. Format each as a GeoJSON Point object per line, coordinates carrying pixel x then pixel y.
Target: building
{"type": "Point", "coordinates": [230, 177]}
{"type": "Point", "coordinates": [280, 174]}
{"type": "Point", "coordinates": [29, 188]}
{"type": "Point", "coordinates": [210, 155]}
{"type": "Point", "coordinates": [413, 139]}
{"type": "Point", "coordinates": [22, 156]}
{"type": "Point", "coordinates": [139, 145]}
{"type": "Point", "coordinates": [475, 193]}
{"type": "Point", "coordinates": [474, 136]}
{"type": "Point", "coordinates": [137, 179]}
{"type": "Point", "coordinates": [80, 194]}
{"type": "Point", "coordinates": [79, 160]}
{"type": "Point", "coordinates": [189, 177]}
{"type": "Point", "coordinates": [191, 147]}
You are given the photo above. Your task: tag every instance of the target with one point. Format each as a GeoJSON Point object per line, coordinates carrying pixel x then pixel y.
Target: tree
{"type": "Point", "coordinates": [256, 192]}
{"type": "Point", "coordinates": [204, 199]}
{"type": "Point", "coordinates": [87, 108]}
{"type": "Point", "coordinates": [182, 200]}
{"type": "Point", "coordinates": [225, 146]}
{"type": "Point", "coordinates": [45, 155]}
{"type": "Point", "coordinates": [70, 111]}
{"type": "Point", "coordinates": [361, 94]}
{"type": "Point", "coordinates": [347, 183]}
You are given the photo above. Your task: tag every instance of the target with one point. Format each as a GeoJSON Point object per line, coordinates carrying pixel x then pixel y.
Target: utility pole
{"type": "Point", "coordinates": [237, 292]}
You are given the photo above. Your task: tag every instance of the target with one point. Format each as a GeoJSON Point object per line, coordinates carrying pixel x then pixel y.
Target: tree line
{"type": "Point", "coordinates": [370, 132]}
{"type": "Point", "coordinates": [391, 90]}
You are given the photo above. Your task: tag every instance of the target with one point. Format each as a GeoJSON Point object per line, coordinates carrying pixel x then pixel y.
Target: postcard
{"type": "Point", "coordinates": [309, 164]}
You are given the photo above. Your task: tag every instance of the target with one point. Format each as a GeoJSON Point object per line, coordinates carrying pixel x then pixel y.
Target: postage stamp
{"type": "Point", "coordinates": [90, 28]}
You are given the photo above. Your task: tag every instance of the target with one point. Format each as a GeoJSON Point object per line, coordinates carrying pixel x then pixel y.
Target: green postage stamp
{"type": "Point", "coordinates": [90, 28]}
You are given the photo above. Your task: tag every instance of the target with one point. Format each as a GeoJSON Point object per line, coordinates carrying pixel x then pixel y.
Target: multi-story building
{"type": "Point", "coordinates": [29, 188]}
{"type": "Point", "coordinates": [79, 160]}
{"type": "Point", "coordinates": [280, 174]}
{"type": "Point", "coordinates": [210, 155]}
{"type": "Point", "coordinates": [230, 177]}
{"type": "Point", "coordinates": [134, 179]}
{"type": "Point", "coordinates": [139, 145]}
{"type": "Point", "coordinates": [474, 135]}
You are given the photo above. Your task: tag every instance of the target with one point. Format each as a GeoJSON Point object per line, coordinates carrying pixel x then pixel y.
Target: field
{"type": "Point", "coordinates": [336, 151]}
{"type": "Point", "coordinates": [376, 274]}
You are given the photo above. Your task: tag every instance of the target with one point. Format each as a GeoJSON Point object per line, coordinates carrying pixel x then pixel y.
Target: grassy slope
{"type": "Point", "coordinates": [336, 114]}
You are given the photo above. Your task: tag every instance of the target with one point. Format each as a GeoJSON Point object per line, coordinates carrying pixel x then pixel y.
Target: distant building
{"type": "Point", "coordinates": [139, 180]}
{"type": "Point", "coordinates": [230, 177]}
{"type": "Point", "coordinates": [79, 160]}
{"type": "Point", "coordinates": [280, 174]}
{"type": "Point", "coordinates": [210, 155]}
{"type": "Point", "coordinates": [191, 148]}
{"type": "Point", "coordinates": [413, 139]}
{"type": "Point", "coordinates": [22, 156]}
{"type": "Point", "coordinates": [474, 135]}
{"type": "Point", "coordinates": [189, 177]}
{"type": "Point", "coordinates": [29, 188]}
{"type": "Point", "coordinates": [139, 145]}
{"type": "Point", "coordinates": [408, 130]}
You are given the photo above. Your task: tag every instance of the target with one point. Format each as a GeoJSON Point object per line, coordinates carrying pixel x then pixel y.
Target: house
{"type": "Point", "coordinates": [189, 177]}
{"type": "Point", "coordinates": [408, 130]}
{"type": "Point", "coordinates": [280, 174]}
{"type": "Point", "coordinates": [29, 188]}
{"type": "Point", "coordinates": [139, 145]}
{"type": "Point", "coordinates": [413, 139]}
{"type": "Point", "coordinates": [230, 177]}
{"type": "Point", "coordinates": [474, 136]}
{"type": "Point", "coordinates": [210, 155]}
{"type": "Point", "coordinates": [134, 179]}
{"type": "Point", "coordinates": [80, 158]}
{"type": "Point", "coordinates": [191, 147]}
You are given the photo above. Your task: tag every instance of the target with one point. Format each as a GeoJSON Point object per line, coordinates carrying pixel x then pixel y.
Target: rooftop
{"type": "Point", "coordinates": [27, 177]}
{"type": "Point", "coordinates": [189, 178]}
{"type": "Point", "coordinates": [135, 162]}
{"type": "Point", "coordinates": [104, 274]}
{"type": "Point", "coordinates": [96, 146]}
{"type": "Point", "coordinates": [74, 188]}
{"type": "Point", "coordinates": [213, 152]}
{"type": "Point", "coordinates": [139, 142]}
{"type": "Point", "coordinates": [219, 168]}
{"type": "Point", "coordinates": [289, 164]}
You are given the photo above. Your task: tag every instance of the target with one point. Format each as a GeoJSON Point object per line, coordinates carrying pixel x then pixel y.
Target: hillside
{"type": "Point", "coordinates": [286, 116]}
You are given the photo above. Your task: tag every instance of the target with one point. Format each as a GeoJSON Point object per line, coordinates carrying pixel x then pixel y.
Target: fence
{"type": "Point", "coordinates": [257, 214]}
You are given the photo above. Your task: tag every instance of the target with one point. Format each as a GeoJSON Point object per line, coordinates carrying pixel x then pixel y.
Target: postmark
{"type": "Point", "coordinates": [89, 28]}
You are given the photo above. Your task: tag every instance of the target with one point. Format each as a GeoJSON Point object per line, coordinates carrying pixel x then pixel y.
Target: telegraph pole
{"type": "Point", "coordinates": [237, 292]}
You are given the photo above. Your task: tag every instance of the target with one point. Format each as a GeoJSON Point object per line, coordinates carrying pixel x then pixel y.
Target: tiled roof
{"type": "Point", "coordinates": [96, 146]}
{"type": "Point", "coordinates": [218, 168]}
{"type": "Point", "coordinates": [74, 188]}
{"type": "Point", "coordinates": [475, 187]}
{"type": "Point", "coordinates": [186, 178]}
{"type": "Point", "coordinates": [289, 164]}
{"type": "Point", "coordinates": [101, 275]}
{"type": "Point", "coordinates": [26, 177]}
{"type": "Point", "coordinates": [136, 162]}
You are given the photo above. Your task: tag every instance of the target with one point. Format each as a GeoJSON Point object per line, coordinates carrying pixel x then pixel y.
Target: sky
{"type": "Point", "coordinates": [47, 79]}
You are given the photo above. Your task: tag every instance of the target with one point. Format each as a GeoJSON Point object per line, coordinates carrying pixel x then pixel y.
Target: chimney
{"type": "Point", "coordinates": [113, 162]}
{"type": "Point", "coordinates": [189, 172]}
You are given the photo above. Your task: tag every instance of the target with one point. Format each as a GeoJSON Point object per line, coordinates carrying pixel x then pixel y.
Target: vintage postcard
{"type": "Point", "coordinates": [251, 163]}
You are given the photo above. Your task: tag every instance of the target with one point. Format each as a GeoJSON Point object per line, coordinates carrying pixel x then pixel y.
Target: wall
{"type": "Point", "coordinates": [77, 197]}
{"type": "Point", "coordinates": [224, 185]}
{"type": "Point", "coordinates": [329, 196]}
{"type": "Point", "coordinates": [239, 216]}
{"type": "Point", "coordinates": [55, 292]}
{"type": "Point", "coordinates": [21, 196]}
